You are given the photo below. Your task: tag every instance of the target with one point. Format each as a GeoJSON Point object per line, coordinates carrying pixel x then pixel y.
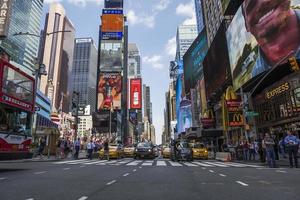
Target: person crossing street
{"type": "Point", "coordinates": [292, 145]}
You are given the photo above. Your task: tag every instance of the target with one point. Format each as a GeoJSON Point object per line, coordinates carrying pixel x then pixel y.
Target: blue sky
{"type": "Point", "coordinates": [152, 26]}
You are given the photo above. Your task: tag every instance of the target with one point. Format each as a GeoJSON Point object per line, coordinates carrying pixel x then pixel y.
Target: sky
{"type": "Point", "coordinates": [152, 26]}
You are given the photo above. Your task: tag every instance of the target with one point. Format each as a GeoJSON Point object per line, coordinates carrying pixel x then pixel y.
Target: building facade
{"type": "Point", "coordinates": [84, 71]}
{"type": "Point", "coordinates": [134, 61]}
{"type": "Point", "coordinates": [199, 15]}
{"type": "Point", "coordinates": [25, 18]}
{"type": "Point", "coordinates": [185, 36]}
{"type": "Point", "coordinates": [57, 55]}
{"type": "Point", "coordinates": [147, 103]}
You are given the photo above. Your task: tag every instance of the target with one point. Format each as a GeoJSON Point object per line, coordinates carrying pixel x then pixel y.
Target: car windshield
{"type": "Point", "coordinates": [144, 144]}
{"type": "Point", "coordinates": [198, 145]}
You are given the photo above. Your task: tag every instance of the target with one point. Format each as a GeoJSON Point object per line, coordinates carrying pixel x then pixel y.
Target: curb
{"type": "Point", "coordinates": [35, 160]}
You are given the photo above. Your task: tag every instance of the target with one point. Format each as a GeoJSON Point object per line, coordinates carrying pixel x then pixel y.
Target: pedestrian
{"type": "Point", "coordinates": [245, 150]}
{"type": "Point", "coordinates": [58, 148]}
{"type": "Point", "coordinates": [269, 143]}
{"type": "Point", "coordinates": [276, 147]}
{"type": "Point", "coordinates": [90, 149]}
{"type": "Point", "coordinates": [282, 148]}
{"type": "Point", "coordinates": [42, 145]}
{"type": "Point", "coordinates": [292, 144]}
{"type": "Point", "coordinates": [77, 148]}
{"type": "Point", "coordinates": [252, 150]}
{"type": "Point", "coordinates": [106, 149]}
{"type": "Point", "coordinates": [62, 148]}
{"type": "Point", "coordinates": [261, 149]}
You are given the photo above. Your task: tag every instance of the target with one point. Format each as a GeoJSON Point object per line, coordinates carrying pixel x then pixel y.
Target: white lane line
{"type": "Point", "coordinates": [190, 164]}
{"type": "Point", "coordinates": [79, 162]}
{"type": "Point", "coordinates": [112, 182]}
{"type": "Point", "coordinates": [216, 164]}
{"type": "Point", "coordinates": [175, 164]}
{"type": "Point", "coordinates": [94, 162]}
{"type": "Point", "coordinates": [67, 168]}
{"type": "Point", "coordinates": [245, 165]}
{"type": "Point", "coordinates": [223, 175]}
{"type": "Point", "coordinates": [30, 199]}
{"type": "Point", "coordinates": [2, 178]}
{"type": "Point", "coordinates": [203, 168]}
{"type": "Point", "coordinates": [83, 198]}
{"type": "Point", "coordinates": [280, 171]}
{"type": "Point", "coordinates": [202, 164]}
{"type": "Point", "coordinates": [134, 163]}
{"type": "Point", "coordinates": [134, 170]}
{"type": "Point", "coordinates": [70, 161]}
{"type": "Point", "coordinates": [241, 183]}
{"type": "Point", "coordinates": [126, 174]}
{"type": "Point", "coordinates": [161, 163]}
{"type": "Point", "coordinates": [147, 163]}
{"type": "Point", "coordinates": [36, 173]}
{"type": "Point", "coordinates": [211, 171]}
{"type": "Point", "coordinates": [140, 167]}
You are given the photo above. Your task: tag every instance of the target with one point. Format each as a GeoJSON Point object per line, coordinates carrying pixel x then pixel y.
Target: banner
{"type": "Point", "coordinates": [109, 91]}
{"type": "Point", "coordinates": [136, 93]}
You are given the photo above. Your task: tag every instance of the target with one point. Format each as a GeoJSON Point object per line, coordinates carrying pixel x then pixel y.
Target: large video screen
{"type": "Point", "coordinates": [136, 93]}
{"type": "Point", "coordinates": [109, 91]}
{"type": "Point", "coordinates": [192, 61]}
{"type": "Point", "coordinates": [111, 56]}
{"type": "Point", "coordinates": [216, 63]}
{"type": "Point", "coordinates": [262, 35]}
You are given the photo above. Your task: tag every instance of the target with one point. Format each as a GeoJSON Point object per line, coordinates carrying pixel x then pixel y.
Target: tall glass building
{"type": "Point", "coordinates": [199, 15]}
{"type": "Point", "coordinates": [84, 71]}
{"type": "Point", "coordinates": [186, 35]}
{"type": "Point", "coordinates": [25, 17]}
{"type": "Point", "coordinates": [134, 61]}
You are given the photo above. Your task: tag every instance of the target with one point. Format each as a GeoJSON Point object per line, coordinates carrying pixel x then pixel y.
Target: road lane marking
{"type": "Point", "coordinates": [134, 170]}
{"type": "Point", "coordinates": [216, 164]}
{"type": "Point", "coordinates": [223, 175]}
{"type": "Point", "coordinates": [241, 183]}
{"type": "Point", "coordinates": [36, 173]}
{"type": "Point", "coordinates": [211, 171]}
{"type": "Point", "coordinates": [134, 163]}
{"type": "Point", "coordinates": [264, 182]}
{"type": "Point", "coordinates": [67, 168]}
{"type": "Point", "coordinates": [112, 182]}
{"type": "Point", "coordinates": [71, 161]}
{"type": "Point", "coordinates": [126, 174]}
{"type": "Point", "coordinates": [2, 178]}
{"type": "Point", "coordinates": [81, 166]}
{"type": "Point", "coordinates": [147, 163]}
{"type": "Point", "coordinates": [94, 162]}
{"type": "Point", "coordinates": [202, 164]}
{"type": "Point", "coordinates": [161, 163]}
{"type": "Point", "coordinates": [30, 199]}
{"type": "Point", "coordinates": [83, 198]}
{"type": "Point", "coordinates": [140, 167]}
{"type": "Point", "coordinates": [175, 164]}
{"type": "Point", "coordinates": [203, 168]}
{"type": "Point", "coordinates": [280, 171]}
{"type": "Point", "coordinates": [190, 164]}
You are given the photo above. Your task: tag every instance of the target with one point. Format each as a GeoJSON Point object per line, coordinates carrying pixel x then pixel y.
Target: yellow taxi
{"type": "Point", "coordinates": [166, 152]}
{"type": "Point", "coordinates": [115, 151]}
{"type": "Point", "coordinates": [129, 151]}
{"type": "Point", "coordinates": [199, 151]}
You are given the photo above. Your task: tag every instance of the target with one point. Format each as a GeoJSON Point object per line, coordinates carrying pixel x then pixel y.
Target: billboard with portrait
{"type": "Point", "coordinates": [192, 61]}
{"type": "Point", "coordinates": [216, 63]}
{"type": "Point", "coordinates": [111, 56]}
{"type": "Point", "coordinates": [261, 36]}
{"type": "Point", "coordinates": [109, 91]}
{"type": "Point", "coordinates": [136, 93]}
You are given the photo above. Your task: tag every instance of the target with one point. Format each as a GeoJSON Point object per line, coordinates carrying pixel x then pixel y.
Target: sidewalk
{"type": "Point", "coordinates": [284, 162]}
{"type": "Point", "coordinates": [45, 158]}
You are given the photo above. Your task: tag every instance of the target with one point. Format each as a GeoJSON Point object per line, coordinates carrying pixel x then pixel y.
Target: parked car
{"type": "Point", "coordinates": [144, 150]}
{"type": "Point", "coordinates": [199, 151]}
{"type": "Point", "coordinates": [129, 151]}
{"type": "Point", "coordinates": [115, 151]}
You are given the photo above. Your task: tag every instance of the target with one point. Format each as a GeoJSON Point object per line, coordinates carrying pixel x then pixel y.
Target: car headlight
{"type": "Point", "coordinates": [135, 150]}
{"type": "Point", "coordinates": [149, 150]}
{"type": "Point", "coordinates": [205, 151]}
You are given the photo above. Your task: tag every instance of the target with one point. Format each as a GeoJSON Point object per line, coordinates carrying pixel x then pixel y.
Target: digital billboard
{"type": "Point", "coordinates": [112, 24]}
{"type": "Point", "coordinates": [192, 61]}
{"type": "Point", "coordinates": [5, 9]}
{"type": "Point", "coordinates": [216, 63]}
{"type": "Point", "coordinates": [136, 93]}
{"type": "Point", "coordinates": [111, 56]}
{"type": "Point", "coordinates": [261, 36]}
{"type": "Point", "coordinates": [109, 91]}
{"type": "Point", "coordinates": [113, 4]}
{"type": "Point", "coordinates": [184, 120]}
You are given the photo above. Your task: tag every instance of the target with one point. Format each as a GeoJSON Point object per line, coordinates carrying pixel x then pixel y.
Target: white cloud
{"type": "Point", "coordinates": [154, 61]}
{"type": "Point", "coordinates": [162, 4]}
{"type": "Point", "coordinates": [190, 21]}
{"type": "Point", "coordinates": [80, 3]}
{"type": "Point", "coordinates": [170, 47]}
{"type": "Point", "coordinates": [187, 10]}
{"type": "Point", "coordinates": [134, 19]}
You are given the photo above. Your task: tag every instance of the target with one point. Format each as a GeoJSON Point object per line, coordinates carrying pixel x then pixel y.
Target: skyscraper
{"type": "Point", "coordinates": [186, 35]}
{"type": "Point", "coordinates": [134, 61]}
{"type": "Point", "coordinates": [25, 17]}
{"type": "Point", "coordinates": [84, 71]}
{"type": "Point", "coordinates": [57, 55]}
{"type": "Point", "coordinates": [213, 17]}
{"type": "Point", "coordinates": [147, 103]}
{"type": "Point", "coordinates": [199, 15]}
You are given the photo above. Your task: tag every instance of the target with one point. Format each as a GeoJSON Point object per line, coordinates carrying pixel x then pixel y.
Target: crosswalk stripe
{"type": "Point", "coordinates": [94, 162]}
{"type": "Point", "coordinates": [161, 163]}
{"type": "Point", "coordinates": [190, 164]}
{"type": "Point", "coordinates": [216, 164]}
{"type": "Point", "coordinates": [70, 161]}
{"type": "Point", "coordinates": [233, 164]}
{"type": "Point", "coordinates": [134, 163]}
{"type": "Point", "coordinates": [202, 164]}
{"type": "Point", "coordinates": [241, 164]}
{"type": "Point", "coordinates": [147, 163]}
{"type": "Point", "coordinates": [175, 164]}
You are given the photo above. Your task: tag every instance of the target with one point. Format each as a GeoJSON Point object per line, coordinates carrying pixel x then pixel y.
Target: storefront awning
{"type": "Point", "coordinates": [45, 122]}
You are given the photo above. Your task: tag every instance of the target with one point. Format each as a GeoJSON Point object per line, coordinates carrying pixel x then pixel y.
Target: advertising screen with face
{"type": "Point", "coordinates": [111, 56]}
{"type": "Point", "coordinates": [109, 91]}
{"type": "Point", "coordinates": [263, 34]}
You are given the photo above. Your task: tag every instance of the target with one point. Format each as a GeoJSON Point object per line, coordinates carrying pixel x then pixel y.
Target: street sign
{"type": "Point", "coordinates": [251, 114]}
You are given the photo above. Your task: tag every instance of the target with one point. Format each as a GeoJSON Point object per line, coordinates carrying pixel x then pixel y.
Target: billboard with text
{"type": "Point", "coordinates": [136, 93]}
{"type": "Point", "coordinates": [112, 24]}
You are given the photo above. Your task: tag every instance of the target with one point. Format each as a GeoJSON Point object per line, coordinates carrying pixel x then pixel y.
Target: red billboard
{"type": "Point", "coordinates": [136, 93]}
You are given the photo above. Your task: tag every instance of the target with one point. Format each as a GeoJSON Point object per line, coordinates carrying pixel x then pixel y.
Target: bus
{"type": "Point", "coordinates": [17, 105]}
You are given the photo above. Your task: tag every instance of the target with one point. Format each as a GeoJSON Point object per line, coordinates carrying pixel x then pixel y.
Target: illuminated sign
{"type": "Point", "coordinates": [112, 24]}
{"type": "Point", "coordinates": [278, 90]}
{"type": "Point", "coordinates": [135, 93]}
{"type": "Point", "coordinates": [235, 118]}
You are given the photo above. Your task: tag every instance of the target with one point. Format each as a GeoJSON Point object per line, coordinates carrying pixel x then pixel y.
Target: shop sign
{"type": "Point", "coordinates": [207, 122]}
{"type": "Point", "coordinates": [278, 90]}
{"type": "Point", "coordinates": [15, 102]}
{"type": "Point", "coordinates": [5, 8]}
{"type": "Point", "coordinates": [235, 119]}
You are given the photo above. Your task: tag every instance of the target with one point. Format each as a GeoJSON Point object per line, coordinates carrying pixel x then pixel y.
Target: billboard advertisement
{"type": "Point", "coordinates": [261, 36]}
{"type": "Point", "coordinates": [113, 4]}
{"type": "Point", "coordinates": [112, 24]}
{"type": "Point", "coordinates": [192, 61]}
{"type": "Point", "coordinates": [111, 56]}
{"type": "Point", "coordinates": [185, 116]}
{"type": "Point", "coordinates": [216, 63]}
{"type": "Point", "coordinates": [5, 9]}
{"type": "Point", "coordinates": [109, 91]}
{"type": "Point", "coordinates": [136, 93]}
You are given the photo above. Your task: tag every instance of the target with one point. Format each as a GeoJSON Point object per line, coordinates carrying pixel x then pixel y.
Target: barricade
{"type": "Point", "coordinates": [223, 156]}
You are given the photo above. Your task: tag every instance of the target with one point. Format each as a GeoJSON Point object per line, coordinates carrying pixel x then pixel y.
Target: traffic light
{"type": "Point", "coordinates": [294, 64]}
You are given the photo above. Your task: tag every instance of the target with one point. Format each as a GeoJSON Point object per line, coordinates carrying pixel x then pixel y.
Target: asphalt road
{"type": "Point", "coordinates": [145, 179]}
